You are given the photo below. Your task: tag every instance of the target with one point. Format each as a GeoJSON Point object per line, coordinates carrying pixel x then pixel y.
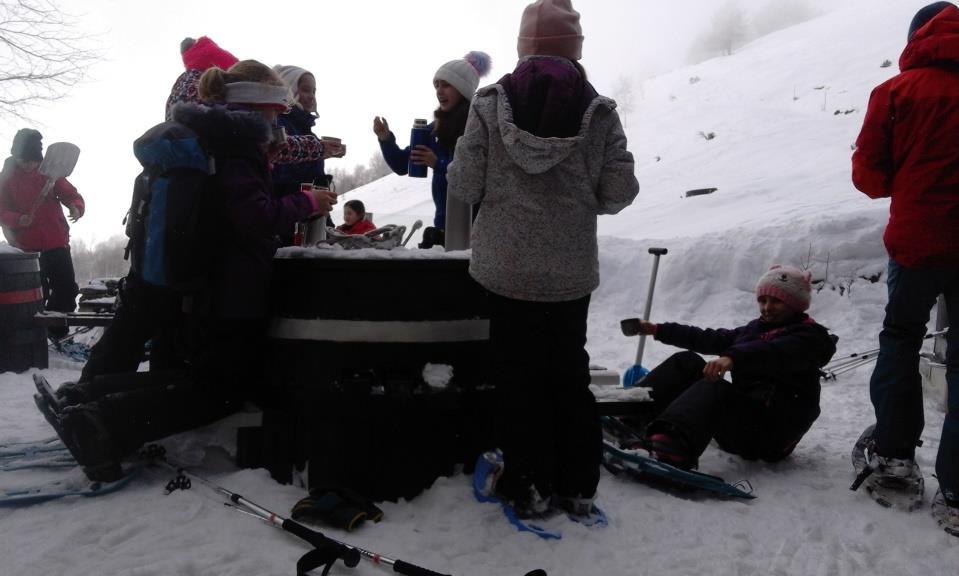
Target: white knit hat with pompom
{"type": "Point", "coordinates": [464, 73]}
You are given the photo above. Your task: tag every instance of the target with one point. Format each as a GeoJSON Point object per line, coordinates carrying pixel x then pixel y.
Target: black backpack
{"type": "Point", "coordinates": [166, 223]}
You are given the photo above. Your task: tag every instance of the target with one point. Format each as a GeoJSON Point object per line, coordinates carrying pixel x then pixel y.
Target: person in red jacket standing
{"type": "Point", "coordinates": [907, 151]}
{"type": "Point", "coordinates": [36, 224]}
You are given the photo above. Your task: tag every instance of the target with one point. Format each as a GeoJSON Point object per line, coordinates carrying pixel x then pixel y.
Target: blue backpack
{"type": "Point", "coordinates": [166, 223]}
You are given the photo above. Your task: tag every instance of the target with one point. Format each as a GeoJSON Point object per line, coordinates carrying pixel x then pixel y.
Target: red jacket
{"type": "Point", "coordinates": [361, 227]}
{"type": "Point", "coordinates": [908, 148]}
{"type": "Point", "coordinates": [49, 228]}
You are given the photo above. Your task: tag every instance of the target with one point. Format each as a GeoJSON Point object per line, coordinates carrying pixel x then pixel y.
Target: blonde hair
{"type": "Point", "coordinates": [213, 82]}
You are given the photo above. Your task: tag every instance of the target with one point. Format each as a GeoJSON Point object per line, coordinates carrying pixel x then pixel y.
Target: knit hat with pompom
{"type": "Point", "coordinates": [791, 285]}
{"type": "Point", "coordinates": [204, 53]}
{"type": "Point", "coordinates": [464, 74]}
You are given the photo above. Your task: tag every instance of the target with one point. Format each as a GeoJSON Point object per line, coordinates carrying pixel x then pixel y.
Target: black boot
{"type": "Point", "coordinates": [68, 394]}
{"type": "Point", "coordinates": [82, 431]}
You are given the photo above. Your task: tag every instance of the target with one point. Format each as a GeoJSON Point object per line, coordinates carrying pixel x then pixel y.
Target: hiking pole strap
{"type": "Point", "coordinates": [322, 544]}
{"type": "Point", "coordinates": [315, 558]}
{"type": "Point", "coordinates": [408, 569]}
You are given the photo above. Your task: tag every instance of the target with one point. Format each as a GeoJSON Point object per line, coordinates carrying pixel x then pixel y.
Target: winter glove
{"type": "Point", "coordinates": [328, 508]}
{"type": "Point", "coordinates": [337, 507]}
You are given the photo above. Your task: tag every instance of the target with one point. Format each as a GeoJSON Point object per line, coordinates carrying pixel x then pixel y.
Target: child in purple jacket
{"type": "Point", "coordinates": [772, 396]}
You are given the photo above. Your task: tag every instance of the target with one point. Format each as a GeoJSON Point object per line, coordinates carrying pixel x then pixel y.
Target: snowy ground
{"type": "Point", "coordinates": [780, 159]}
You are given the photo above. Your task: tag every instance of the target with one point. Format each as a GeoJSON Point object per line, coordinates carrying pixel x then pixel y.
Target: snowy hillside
{"type": "Point", "coordinates": [780, 162]}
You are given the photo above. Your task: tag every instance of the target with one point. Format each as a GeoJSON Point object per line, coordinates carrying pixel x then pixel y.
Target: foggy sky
{"type": "Point", "coordinates": [370, 57]}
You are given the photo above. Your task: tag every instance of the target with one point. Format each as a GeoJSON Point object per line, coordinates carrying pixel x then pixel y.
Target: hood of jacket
{"type": "Point", "coordinates": [226, 131]}
{"type": "Point", "coordinates": [935, 43]}
{"type": "Point", "coordinates": [549, 96]}
{"type": "Point", "coordinates": [534, 154]}
{"type": "Point", "coordinates": [299, 119]}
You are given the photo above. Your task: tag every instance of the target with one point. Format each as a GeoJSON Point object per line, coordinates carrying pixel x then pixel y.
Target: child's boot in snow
{"type": "Point", "coordinates": [946, 512]}
{"type": "Point", "coordinates": [895, 482]}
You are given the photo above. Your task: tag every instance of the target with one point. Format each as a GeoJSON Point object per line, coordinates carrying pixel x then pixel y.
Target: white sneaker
{"type": "Point", "coordinates": [946, 514]}
{"type": "Point", "coordinates": [895, 482]}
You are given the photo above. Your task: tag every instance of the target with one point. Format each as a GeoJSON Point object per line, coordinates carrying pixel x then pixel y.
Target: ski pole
{"type": "Point", "coordinates": [857, 359]}
{"type": "Point", "coordinates": [852, 357]}
{"type": "Point", "coordinates": [832, 374]}
{"type": "Point", "coordinates": [325, 546]}
{"type": "Point", "coordinates": [864, 357]}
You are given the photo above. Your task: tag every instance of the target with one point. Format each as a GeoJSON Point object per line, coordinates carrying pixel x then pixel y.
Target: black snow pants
{"type": "Point", "coordinates": [144, 314]}
{"type": "Point", "coordinates": [756, 421]}
{"type": "Point", "coordinates": [138, 407]}
{"type": "Point", "coordinates": [59, 284]}
{"type": "Point", "coordinates": [549, 427]}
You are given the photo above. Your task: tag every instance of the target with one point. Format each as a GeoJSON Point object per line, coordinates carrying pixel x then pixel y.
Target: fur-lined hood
{"type": "Point", "coordinates": [224, 130]}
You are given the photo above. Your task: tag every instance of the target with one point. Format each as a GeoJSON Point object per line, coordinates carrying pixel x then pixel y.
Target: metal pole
{"type": "Point", "coordinates": [656, 252]}
{"type": "Point", "coordinates": [459, 223]}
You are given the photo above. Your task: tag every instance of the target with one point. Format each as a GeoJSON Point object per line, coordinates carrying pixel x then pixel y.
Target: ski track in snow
{"type": "Point", "coordinates": [782, 168]}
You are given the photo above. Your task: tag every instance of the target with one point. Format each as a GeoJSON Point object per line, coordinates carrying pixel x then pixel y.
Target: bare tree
{"type": "Point", "coordinates": [42, 54]}
{"type": "Point", "coordinates": [346, 180]}
{"type": "Point", "coordinates": [726, 33]}
{"type": "Point", "coordinates": [780, 14]}
{"type": "Point", "coordinates": [101, 260]}
{"type": "Point", "coordinates": [625, 98]}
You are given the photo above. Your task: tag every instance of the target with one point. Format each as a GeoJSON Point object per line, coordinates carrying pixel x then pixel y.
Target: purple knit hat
{"type": "Point", "coordinates": [791, 285]}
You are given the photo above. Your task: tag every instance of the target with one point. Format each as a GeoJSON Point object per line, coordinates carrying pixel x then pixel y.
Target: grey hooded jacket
{"type": "Point", "coordinates": [535, 235]}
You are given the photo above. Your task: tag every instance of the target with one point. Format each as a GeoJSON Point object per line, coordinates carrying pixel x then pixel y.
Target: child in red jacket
{"type": "Point", "coordinates": [354, 219]}
{"type": "Point", "coordinates": [35, 224]}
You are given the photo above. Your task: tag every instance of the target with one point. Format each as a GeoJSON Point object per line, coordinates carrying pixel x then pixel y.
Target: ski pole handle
{"type": "Point", "coordinates": [349, 555]}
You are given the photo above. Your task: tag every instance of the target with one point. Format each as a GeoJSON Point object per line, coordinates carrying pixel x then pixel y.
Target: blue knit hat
{"type": "Point", "coordinates": [924, 15]}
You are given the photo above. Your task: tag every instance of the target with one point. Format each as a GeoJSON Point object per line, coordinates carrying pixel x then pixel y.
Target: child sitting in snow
{"type": "Point", "coordinates": [354, 219]}
{"type": "Point", "coordinates": [773, 363]}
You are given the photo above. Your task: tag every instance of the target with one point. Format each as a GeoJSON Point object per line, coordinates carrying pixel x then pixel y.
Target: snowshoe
{"type": "Point", "coordinates": [620, 457]}
{"type": "Point", "coordinates": [866, 444]}
{"type": "Point", "coordinates": [946, 513]}
{"type": "Point", "coordinates": [891, 482]}
{"type": "Point", "coordinates": [489, 467]}
{"type": "Point", "coordinates": [77, 484]}
{"type": "Point", "coordinates": [583, 511]}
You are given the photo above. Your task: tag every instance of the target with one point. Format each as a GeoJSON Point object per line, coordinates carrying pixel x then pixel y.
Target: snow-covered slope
{"type": "Point", "coordinates": [781, 163]}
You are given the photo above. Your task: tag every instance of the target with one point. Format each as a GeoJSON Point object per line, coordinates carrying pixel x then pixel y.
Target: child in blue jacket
{"type": "Point", "coordinates": [772, 397]}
